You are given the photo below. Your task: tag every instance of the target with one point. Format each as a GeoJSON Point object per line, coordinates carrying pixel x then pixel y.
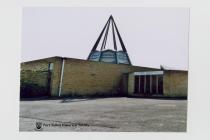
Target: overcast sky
{"type": "Point", "coordinates": [152, 36]}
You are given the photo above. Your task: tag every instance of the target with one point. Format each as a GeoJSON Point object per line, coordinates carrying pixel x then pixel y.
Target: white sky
{"type": "Point", "coordinates": [152, 36]}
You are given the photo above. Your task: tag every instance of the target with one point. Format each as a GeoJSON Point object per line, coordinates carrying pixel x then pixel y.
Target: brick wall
{"type": "Point", "coordinates": [175, 83]}
{"type": "Point", "coordinates": [35, 74]}
{"type": "Point", "coordinates": [82, 77]}
{"type": "Point", "coordinates": [131, 84]}
{"type": "Point", "coordinates": [34, 83]}
{"type": "Point", "coordinates": [34, 77]}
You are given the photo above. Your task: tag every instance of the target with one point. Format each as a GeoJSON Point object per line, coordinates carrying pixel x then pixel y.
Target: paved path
{"type": "Point", "coordinates": [104, 114]}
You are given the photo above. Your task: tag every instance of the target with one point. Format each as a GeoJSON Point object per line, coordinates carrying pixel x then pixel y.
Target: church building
{"type": "Point", "coordinates": [106, 72]}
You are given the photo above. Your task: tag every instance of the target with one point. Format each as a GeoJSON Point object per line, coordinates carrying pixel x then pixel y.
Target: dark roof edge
{"type": "Point", "coordinates": [41, 59]}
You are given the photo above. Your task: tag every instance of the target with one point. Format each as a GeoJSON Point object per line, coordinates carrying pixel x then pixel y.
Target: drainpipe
{"type": "Point", "coordinates": [61, 76]}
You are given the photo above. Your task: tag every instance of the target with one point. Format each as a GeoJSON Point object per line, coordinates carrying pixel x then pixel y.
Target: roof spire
{"type": "Point", "coordinates": [122, 54]}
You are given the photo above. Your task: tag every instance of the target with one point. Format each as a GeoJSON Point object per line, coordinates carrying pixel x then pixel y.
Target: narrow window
{"type": "Point", "coordinates": [51, 65]}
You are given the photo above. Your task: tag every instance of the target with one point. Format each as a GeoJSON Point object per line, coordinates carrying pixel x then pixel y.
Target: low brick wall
{"type": "Point", "coordinates": [175, 83]}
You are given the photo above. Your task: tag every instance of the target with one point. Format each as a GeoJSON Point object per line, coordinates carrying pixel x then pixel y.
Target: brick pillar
{"type": "Point", "coordinates": [131, 84]}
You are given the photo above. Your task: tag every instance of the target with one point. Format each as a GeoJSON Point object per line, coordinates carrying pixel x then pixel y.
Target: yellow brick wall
{"type": "Point", "coordinates": [38, 66]}
{"type": "Point", "coordinates": [35, 72]}
{"type": "Point", "coordinates": [34, 77]}
{"type": "Point", "coordinates": [56, 76]}
{"type": "Point", "coordinates": [90, 78]}
{"type": "Point", "coordinates": [175, 83]}
{"type": "Point", "coordinates": [131, 83]}
{"type": "Point", "coordinates": [83, 77]}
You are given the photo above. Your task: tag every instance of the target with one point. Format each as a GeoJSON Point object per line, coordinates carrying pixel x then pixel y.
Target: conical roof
{"type": "Point", "coordinates": [110, 55]}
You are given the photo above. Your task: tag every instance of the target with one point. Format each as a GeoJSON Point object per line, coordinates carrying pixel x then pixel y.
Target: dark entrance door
{"type": "Point", "coordinates": [148, 84]}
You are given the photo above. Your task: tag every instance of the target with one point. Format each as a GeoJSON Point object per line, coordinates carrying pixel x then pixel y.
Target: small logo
{"type": "Point", "coordinates": [38, 125]}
